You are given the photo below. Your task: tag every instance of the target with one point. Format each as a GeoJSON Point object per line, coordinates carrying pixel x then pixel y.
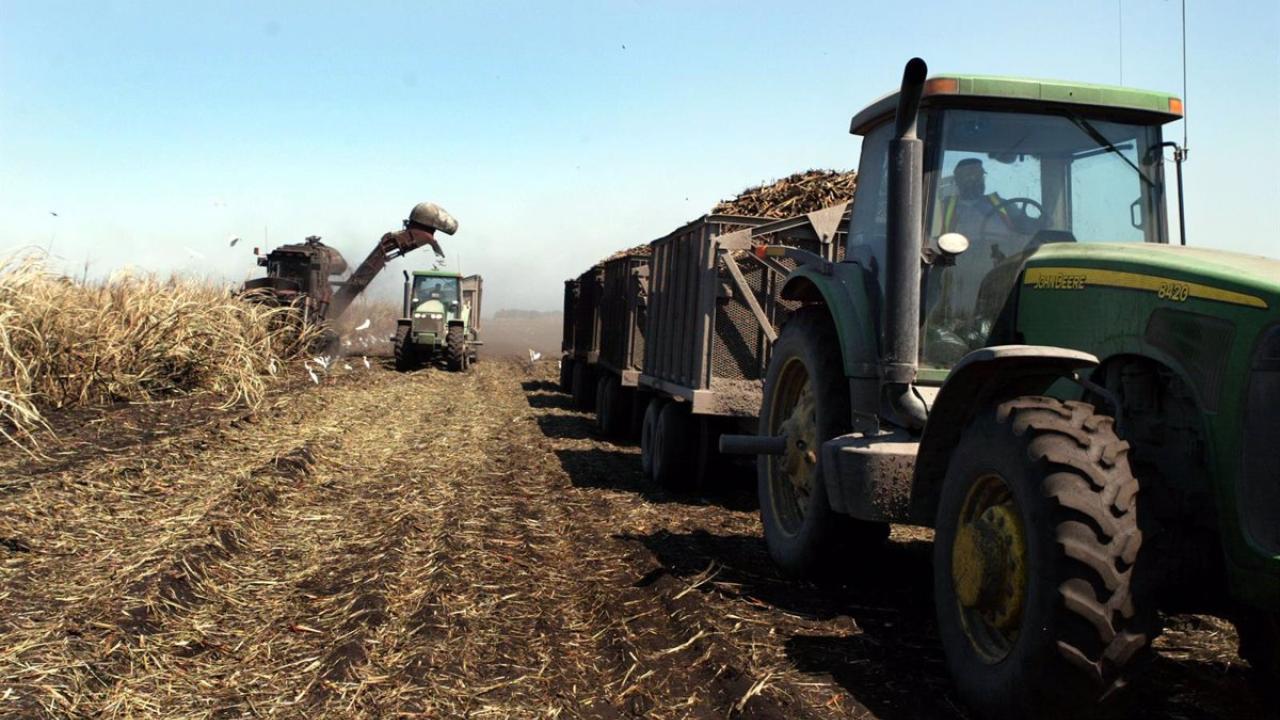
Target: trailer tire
{"type": "Point", "coordinates": [604, 405]}
{"type": "Point", "coordinates": [612, 414]}
{"type": "Point", "coordinates": [672, 449]}
{"type": "Point", "coordinates": [405, 355]}
{"type": "Point", "coordinates": [805, 537]}
{"type": "Point", "coordinates": [455, 348]}
{"type": "Point", "coordinates": [1036, 542]}
{"type": "Point", "coordinates": [648, 433]}
{"type": "Point", "coordinates": [566, 375]}
{"type": "Point", "coordinates": [582, 389]}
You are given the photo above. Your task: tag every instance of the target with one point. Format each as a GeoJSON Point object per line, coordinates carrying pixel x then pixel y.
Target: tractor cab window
{"type": "Point", "coordinates": [440, 289]}
{"type": "Point", "coordinates": [1013, 182]}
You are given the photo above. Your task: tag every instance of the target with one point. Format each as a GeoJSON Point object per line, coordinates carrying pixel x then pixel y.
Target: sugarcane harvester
{"type": "Point", "coordinates": [299, 274]}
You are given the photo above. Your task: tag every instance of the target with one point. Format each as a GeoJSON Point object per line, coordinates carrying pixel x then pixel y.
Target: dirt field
{"type": "Point", "coordinates": [447, 546]}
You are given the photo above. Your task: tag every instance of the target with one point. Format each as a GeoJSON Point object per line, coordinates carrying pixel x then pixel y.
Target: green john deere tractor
{"type": "Point", "coordinates": [441, 320]}
{"type": "Point", "coordinates": [1012, 353]}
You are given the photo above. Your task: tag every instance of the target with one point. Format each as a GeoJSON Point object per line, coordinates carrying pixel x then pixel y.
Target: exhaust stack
{"type": "Point", "coordinates": [899, 363]}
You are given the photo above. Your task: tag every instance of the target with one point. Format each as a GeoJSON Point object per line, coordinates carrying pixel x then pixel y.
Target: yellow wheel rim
{"type": "Point", "coordinates": [792, 475]}
{"type": "Point", "coordinates": [989, 568]}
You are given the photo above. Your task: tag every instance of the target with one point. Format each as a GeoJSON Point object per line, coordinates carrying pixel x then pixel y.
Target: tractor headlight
{"type": "Point", "coordinates": [429, 316]}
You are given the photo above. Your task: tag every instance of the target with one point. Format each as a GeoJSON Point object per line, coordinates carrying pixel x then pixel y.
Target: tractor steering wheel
{"type": "Point", "coordinates": [1024, 202]}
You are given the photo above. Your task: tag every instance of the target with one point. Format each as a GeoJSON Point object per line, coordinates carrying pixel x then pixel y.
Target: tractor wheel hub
{"type": "Point", "coordinates": [989, 566]}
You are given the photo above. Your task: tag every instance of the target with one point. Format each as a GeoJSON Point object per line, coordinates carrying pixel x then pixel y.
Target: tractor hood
{"type": "Point", "coordinates": [1173, 272]}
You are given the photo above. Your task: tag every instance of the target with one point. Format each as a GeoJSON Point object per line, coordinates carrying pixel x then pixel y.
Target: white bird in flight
{"type": "Point", "coordinates": [534, 355]}
{"type": "Point", "coordinates": [234, 240]}
{"type": "Point", "coordinates": [364, 325]}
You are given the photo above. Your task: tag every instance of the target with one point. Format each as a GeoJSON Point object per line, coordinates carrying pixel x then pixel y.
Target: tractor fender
{"type": "Point", "coordinates": [982, 377]}
{"type": "Point", "coordinates": [842, 288]}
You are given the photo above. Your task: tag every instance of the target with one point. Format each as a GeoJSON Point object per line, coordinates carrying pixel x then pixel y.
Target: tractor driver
{"type": "Point", "coordinates": [969, 211]}
{"type": "Point", "coordinates": [995, 230]}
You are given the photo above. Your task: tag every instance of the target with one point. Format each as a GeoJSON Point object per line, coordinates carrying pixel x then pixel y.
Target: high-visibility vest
{"type": "Point", "coordinates": [949, 211]}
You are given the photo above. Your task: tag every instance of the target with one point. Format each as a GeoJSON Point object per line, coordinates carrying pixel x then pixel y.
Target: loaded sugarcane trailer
{"type": "Point", "coordinates": [713, 311]}
{"type": "Point", "coordinates": [623, 303]}
{"type": "Point", "coordinates": [584, 336]}
{"type": "Point", "coordinates": [569, 320]}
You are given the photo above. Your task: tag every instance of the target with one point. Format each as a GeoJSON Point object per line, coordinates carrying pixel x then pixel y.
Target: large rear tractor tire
{"type": "Point", "coordinates": [566, 375]}
{"type": "Point", "coordinates": [455, 349]}
{"type": "Point", "coordinates": [405, 354]}
{"type": "Point", "coordinates": [582, 389]}
{"type": "Point", "coordinates": [649, 434]}
{"type": "Point", "coordinates": [1036, 542]}
{"type": "Point", "coordinates": [806, 399]}
{"type": "Point", "coordinates": [673, 448]}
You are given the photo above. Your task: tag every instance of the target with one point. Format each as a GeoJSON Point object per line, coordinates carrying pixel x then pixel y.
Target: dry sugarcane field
{"type": "Point", "coordinates": [638, 361]}
{"type": "Point", "coordinates": [379, 544]}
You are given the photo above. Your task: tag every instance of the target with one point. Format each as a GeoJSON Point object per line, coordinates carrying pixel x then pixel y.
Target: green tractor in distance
{"type": "Point", "coordinates": [441, 320]}
{"type": "Point", "coordinates": [1012, 354]}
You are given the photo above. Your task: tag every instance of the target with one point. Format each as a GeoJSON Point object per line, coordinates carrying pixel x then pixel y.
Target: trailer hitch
{"type": "Point", "coordinates": [753, 444]}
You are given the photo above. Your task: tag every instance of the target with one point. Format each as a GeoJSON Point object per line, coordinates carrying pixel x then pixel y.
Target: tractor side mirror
{"type": "Point", "coordinates": [945, 248]}
{"type": "Point", "coordinates": [454, 307]}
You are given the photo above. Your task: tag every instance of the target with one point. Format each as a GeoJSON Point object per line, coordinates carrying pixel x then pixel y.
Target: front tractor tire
{"type": "Point", "coordinates": [806, 398]}
{"type": "Point", "coordinates": [1036, 542]}
{"type": "Point", "coordinates": [405, 354]}
{"type": "Point", "coordinates": [455, 349]}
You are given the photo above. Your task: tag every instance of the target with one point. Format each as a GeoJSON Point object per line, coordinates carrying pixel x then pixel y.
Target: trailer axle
{"type": "Point", "coordinates": [753, 444]}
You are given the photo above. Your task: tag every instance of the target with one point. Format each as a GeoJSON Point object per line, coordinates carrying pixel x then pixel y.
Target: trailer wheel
{"type": "Point", "coordinates": [566, 375]}
{"type": "Point", "coordinates": [604, 404]}
{"type": "Point", "coordinates": [648, 434]}
{"type": "Point", "coordinates": [584, 397]}
{"type": "Point", "coordinates": [806, 399]}
{"type": "Point", "coordinates": [455, 348]}
{"type": "Point", "coordinates": [1037, 537]}
{"type": "Point", "coordinates": [672, 448]}
{"type": "Point", "coordinates": [612, 414]}
{"type": "Point", "coordinates": [406, 356]}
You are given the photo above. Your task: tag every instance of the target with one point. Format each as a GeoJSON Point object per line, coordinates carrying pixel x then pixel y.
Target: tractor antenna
{"type": "Point", "coordinates": [1184, 78]}
{"type": "Point", "coordinates": [1120, 33]}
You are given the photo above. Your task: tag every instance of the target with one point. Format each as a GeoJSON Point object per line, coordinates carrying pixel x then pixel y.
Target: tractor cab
{"type": "Point", "coordinates": [435, 296]}
{"type": "Point", "coordinates": [1009, 166]}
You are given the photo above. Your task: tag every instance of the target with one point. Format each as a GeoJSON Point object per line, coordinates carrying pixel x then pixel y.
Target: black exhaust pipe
{"type": "Point", "coordinates": [902, 293]}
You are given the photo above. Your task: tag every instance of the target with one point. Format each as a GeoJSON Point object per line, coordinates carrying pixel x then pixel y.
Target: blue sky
{"type": "Point", "coordinates": [555, 131]}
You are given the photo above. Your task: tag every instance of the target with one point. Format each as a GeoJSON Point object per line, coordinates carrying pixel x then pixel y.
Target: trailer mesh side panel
{"type": "Point", "coordinates": [702, 333]}
{"type": "Point", "coordinates": [740, 350]}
